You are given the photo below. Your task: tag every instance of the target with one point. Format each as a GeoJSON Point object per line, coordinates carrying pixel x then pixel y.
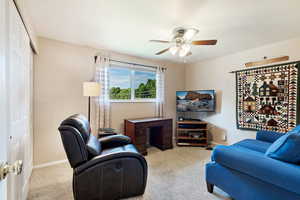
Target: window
{"type": "Point", "coordinates": [130, 84]}
{"type": "Point", "coordinates": [144, 85]}
{"type": "Point", "coordinates": [120, 87]}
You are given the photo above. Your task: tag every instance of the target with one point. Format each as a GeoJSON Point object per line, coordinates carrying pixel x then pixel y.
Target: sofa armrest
{"type": "Point", "coordinates": [268, 136]}
{"type": "Point", "coordinates": [256, 164]}
{"type": "Point", "coordinates": [99, 160]}
{"type": "Point", "coordinates": [114, 141]}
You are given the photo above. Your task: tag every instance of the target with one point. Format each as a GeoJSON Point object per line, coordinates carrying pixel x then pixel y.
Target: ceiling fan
{"type": "Point", "coordinates": [181, 42]}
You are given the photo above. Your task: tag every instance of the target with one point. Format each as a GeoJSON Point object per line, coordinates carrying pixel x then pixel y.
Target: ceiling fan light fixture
{"type": "Point", "coordinates": [182, 42]}
{"type": "Point", "coordinates": [174, 50]}
{"type": "Point", "coordinates": [184, 50]}
{"type": "Point", "coordinates": [182, 53]}
{"type": "Point", "coordinates": [190, 33]}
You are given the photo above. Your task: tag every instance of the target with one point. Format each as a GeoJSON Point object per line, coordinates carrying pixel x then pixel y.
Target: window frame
{"type": "Point", "coordinates": [132, 70]}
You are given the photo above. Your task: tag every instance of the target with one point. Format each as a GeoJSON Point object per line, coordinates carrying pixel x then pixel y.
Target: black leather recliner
{"type": "Point", "coordinates": [107, 168]}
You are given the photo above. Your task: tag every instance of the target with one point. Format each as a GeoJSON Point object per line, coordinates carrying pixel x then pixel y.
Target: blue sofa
{"type": "Point", "coordinates": [244, 172]}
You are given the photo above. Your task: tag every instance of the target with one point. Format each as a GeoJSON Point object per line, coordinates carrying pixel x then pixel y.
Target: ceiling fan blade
{"type": "Point", "coordinates": [163, 51]}
{"type": "Point", "coordinates": [204, 42]}
{"type": "Point", "coordinates": [160, 41]}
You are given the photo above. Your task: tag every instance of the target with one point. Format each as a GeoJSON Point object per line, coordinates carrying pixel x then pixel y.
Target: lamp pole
{"type": "Point", "coordinates": [89, 109]}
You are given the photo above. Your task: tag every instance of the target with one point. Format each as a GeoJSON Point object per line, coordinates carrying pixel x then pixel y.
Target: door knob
{"type": "Point", "coordinates": [6, 169]}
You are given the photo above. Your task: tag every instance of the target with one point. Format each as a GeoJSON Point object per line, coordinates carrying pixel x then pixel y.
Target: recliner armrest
{"type": "Point", "coordinates": [256, 164]}
{"type": "Point", "coordinates": [98, 160]}
{"type": "Point", "coordinates": [114, 141]}
{"type": "Point", "coordinates": [101, 135]}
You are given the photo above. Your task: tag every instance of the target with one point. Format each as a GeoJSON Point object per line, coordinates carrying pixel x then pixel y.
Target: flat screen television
{"type": "Point", "coordinates": [196, 101]}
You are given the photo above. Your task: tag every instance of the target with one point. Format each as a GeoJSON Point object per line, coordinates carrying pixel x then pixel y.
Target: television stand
{"type": "Point", "coordinates": [191, 133]}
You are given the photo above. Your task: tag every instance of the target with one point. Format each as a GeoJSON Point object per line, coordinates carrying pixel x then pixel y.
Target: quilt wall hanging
{"type": "Point", "coordinates": [267, 97]}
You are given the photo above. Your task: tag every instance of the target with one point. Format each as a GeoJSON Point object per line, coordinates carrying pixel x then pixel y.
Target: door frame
{"type": "Point", "coordinates": [3, 92]}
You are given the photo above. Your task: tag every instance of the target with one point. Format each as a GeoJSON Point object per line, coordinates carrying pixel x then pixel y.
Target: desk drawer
{"type": "Point", "coordinates": [142, 139]}
{"type": "Point", "coordinates": [140, 131]}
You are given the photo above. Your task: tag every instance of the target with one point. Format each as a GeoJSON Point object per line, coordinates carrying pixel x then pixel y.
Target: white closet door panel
{"type": "Point", "coordinates": [19, 101]}
{"type": "Point", "coordinates": [3, 93]}
{"type": "Point", "coordinates": [27, 143]}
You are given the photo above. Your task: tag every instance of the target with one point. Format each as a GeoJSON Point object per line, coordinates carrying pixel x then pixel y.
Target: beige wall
{"type": "Point", "coordinates": [59, 70]}
{"type": "Point", "coordinates": [121, 111]}
{"type": "Point", "coordinates": [214, 74]}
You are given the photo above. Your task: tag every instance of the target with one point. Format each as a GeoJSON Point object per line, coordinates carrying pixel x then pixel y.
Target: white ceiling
{"type": "Point", "coordinates": [126, 26]}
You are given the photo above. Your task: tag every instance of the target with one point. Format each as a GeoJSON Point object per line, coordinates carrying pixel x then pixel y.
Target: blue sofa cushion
{"type": "Point", "coordinates": [255, 145]}
{"type": "Point", "coordinates": [268, 136]}
{"type": "Point", "coordinates": [257, 165]}
{"type": "Point", "coordinates": [286, 148]}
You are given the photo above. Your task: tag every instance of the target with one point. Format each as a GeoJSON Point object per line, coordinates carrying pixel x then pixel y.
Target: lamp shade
{"type": "Point", "coordinates": [91, 89]}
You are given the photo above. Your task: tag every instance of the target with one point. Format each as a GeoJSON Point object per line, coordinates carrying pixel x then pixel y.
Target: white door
{"type": "Point", "coordinates": [19, 103]}
{"type": "Point", "coordinates": [3, 95]}
{"type": "Point", "coordinates": [15, 102]}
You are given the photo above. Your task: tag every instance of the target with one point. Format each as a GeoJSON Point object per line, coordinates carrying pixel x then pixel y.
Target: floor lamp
{"type": "Point", "coordinates": [91, 89]}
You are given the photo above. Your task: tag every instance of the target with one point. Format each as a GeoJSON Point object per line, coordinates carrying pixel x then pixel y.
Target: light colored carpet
{"type": "Point", "coordinates": [172, 174]}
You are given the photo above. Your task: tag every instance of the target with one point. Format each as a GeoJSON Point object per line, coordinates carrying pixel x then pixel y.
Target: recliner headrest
{"type": "Point", "coordinates": [81, 123]}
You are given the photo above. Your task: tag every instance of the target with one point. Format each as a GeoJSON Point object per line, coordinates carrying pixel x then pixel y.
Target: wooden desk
{"type": "Point", "coordinates": [160, 133]}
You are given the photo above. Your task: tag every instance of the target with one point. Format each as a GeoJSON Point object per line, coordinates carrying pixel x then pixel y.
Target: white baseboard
{"type": "Point", "coordinates": [215, 143]}
{"type": "Point", "coordinates": [49, 164]}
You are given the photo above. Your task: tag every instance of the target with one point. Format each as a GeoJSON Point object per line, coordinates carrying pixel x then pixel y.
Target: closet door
{"type": "Point", "coordinates": [19, 58]}
{"type": "Point", "coordinates": [3, 95]}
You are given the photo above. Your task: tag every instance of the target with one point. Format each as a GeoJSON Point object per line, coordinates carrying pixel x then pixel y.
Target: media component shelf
{"type": "Point", "coordinates": [191, 133]}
